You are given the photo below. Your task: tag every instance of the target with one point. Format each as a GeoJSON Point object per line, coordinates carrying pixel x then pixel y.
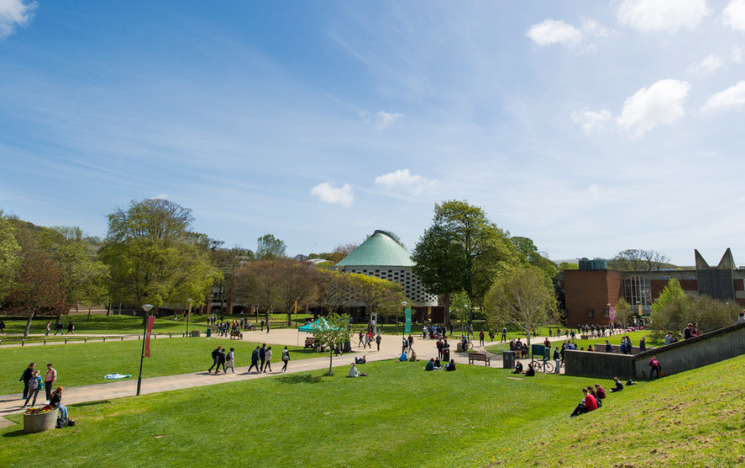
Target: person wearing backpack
{"type": "Point", "coordinates": [285, 359]}
{"type": "Point", "coordinates": [34, 385]}
{"type": "Point", "coordinates": [215, 356]}
{"type": "Point", "coordinates": [230, 361]}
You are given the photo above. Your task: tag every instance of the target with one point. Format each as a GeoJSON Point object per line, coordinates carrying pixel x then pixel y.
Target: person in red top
{"type": "Point", "coordinates": [600, 391]}
{"type": "Point", "coordinates": [656, 367]}
{"type": "Point", "coordinates": [588, 404]}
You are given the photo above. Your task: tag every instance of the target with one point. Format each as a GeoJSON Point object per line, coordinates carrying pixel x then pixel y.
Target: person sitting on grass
{"type": "Point", "coordinates": [599, 391]}
{"type": "Point", "coordinates": [353, 372]}
{"type": "Point", "coordinates": [518, 368]}
{"type": "Point", "coordinates": [588, 404]}
{"type": "Point", "coordinates": [618, 387]}
{"type": "Point", "coordinates": [412, 358]}
{"type": "Point", "coordinates": [451, 366]}
{"type": "Point", "coordinates": [403, 357]}
{"type": "Point", "coordinates": [430, 365]}
{"type": "Point", "coordinates": [530, 372]}
{"type": "Point", "coordinates": [361, 360]}
{"type": "Point", "coordinates": [591, 391]}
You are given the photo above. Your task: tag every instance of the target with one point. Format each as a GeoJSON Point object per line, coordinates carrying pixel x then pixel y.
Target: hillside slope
{"type": "Point", "coordinates": [694, 418]}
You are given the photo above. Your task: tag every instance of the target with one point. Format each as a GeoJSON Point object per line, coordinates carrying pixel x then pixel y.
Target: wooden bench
{"type": "Point", "coordinates": [236, 335]}
{"type": "Point", "coordinates": [479, 357]}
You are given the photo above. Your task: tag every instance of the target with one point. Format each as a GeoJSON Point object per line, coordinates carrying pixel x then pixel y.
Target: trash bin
{"type": "Point", "coordinates": [209, 332]}
{"type": "Point", "coordinates": [196, 333]}
{"type": "Point", "coordinates": [508, 359]}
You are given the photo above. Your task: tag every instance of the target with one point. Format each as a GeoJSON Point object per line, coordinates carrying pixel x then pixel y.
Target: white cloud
{"type": "Point", "coordinates": [402, 180]}
{"type": "Point", "coordinates": [662, 15]}
{"type": "Point", "coordinates": [554, 32]}
{"type": "Point", "coordinates": [732, 97]}
{"type": "Point", "coordinates": [591, 121]}
{"type": "Point", "coordinates": [707, 65]}
{"type": "Point", "coordinates": [736, 55]}
{"type": "Point", "coordinates": [160, 196]}
{"type": "Point", "coordinates": [328, 193]}
{"type": "Point", "coordinates": [590, 27]}
{"type": "Point", "coordinates": [734, 15]}
{"type": "Point", "coordinates": [382, 119]}
{"type": "Point", "coordinates": [14, 13]}
{"type": "Point", "coordinates": [660, 104]}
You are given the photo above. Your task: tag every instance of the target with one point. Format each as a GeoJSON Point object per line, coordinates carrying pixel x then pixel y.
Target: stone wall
{"type": "Point", "coordinates": [685, 355]}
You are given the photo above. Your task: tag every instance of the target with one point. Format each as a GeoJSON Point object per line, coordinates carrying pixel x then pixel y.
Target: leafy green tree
{"type": "Point", "coordinates": [270, 248]}
{"type": "Point", "coordinates": [623, 312]}
{"type": "Point", "coordinates": [10, 252]}
{"type": "Point", "coordinates": [229, 261]}
{"type": "Point", "coordinates": [482, 250]}
{"type": "Point", "coordinates": [335, 332]}
{"type": "Point", "coordinates": [439, 264]}
{"type": "Point", "coordinates": [373, 292]}
{"type": "Point", "coordinates": [522, 297]}
{"type": "Point", "coordinates": [334, 289]}
{"type": "Point", "coordinates": [669, 293]}
{"type": "Point", "coordinates": [295, 282]}
{"type": "Point", "coordinates": [535, 258]}
{"type": "Point", "coordinates": [154, 256]}
{"type": "Point", "coordinates": [94, 287]}
{"type": "Point", "coordinates": [257, 286]}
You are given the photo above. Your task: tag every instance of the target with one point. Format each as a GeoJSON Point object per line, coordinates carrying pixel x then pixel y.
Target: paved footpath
{"type": "Point", "coordinates": [390, 349]}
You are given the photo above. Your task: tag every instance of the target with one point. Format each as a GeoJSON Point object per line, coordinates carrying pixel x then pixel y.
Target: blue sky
{"type": "Point", "coordinates": [588, 126]}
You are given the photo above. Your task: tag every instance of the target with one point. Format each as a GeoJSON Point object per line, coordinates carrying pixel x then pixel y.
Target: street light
{"type": "Point", "coordinates": [404, 303]}
{"type": "Point", "coordinates": [146, 308]}
{"type": "Point", "coordinates": [188, 316]}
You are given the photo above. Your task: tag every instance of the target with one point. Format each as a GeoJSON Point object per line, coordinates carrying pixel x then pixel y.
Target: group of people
{"type": "Point", "coordinates": [59, 327]}
{"type": "Point", "coordinates": [261, 359]}
{"type": "Point", "coordinates": [520, 348]}
{"type": "Point", "coordinates": [435, 332]}
{"type": "Point", "coordinates": [435, 364]}
{"type": "Point", "coordinates": [34, 383]}
{"type": "Point", "coordinates": [366, 339]}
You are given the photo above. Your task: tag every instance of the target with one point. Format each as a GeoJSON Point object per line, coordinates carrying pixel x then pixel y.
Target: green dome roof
{"type": "Point", "coordinates": [378, 250]}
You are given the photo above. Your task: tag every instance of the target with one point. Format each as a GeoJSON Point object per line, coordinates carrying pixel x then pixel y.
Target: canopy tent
{"type": "Point", "coordinates": [319, 324]}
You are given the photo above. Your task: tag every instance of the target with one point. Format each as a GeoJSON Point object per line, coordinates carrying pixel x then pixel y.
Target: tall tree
{"type": "Point", "coordinates": [527, 248]}
{"type": "Point", "coordinates": [638, 260]}
{"type": "Point", "coordinates": [481, 249]}
{"type": "Point", "coordinates": [334, 290]}
{"type": "Point", "coordinates": [439, 264]}
{"type": "Point", "coordinates": [373, 292]}
{"type": "Point", "coordinates": [37, 284]}
{"type": "Point", "coordinates": [270, 248]}
{"type": "Point", "coordinates": [229, 261]}
{"type": "Point", "coordinates": [10, 252]}
{"type": "Point", "coordinates": [257, 286]}
{"type": "Point", "coordinates": [341, 251]}
{"type": "Point", "coordinates": [522, 297]}
{"type": "Point", "coordinates": [154, 256]}
{"type": "Point", "coordinates": [295, 282]}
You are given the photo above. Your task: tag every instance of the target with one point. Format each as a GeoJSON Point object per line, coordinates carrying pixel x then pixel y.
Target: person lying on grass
{"type": "Point", "coordinates": [361, 360]}
{"type": "Point", "coordinates": [588, 404]}
{"type": "Point", "coordinates": [353, 372]}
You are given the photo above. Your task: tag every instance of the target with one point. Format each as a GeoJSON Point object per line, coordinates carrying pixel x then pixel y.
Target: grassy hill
{"type": "Point", "coordinates": [401, 416]}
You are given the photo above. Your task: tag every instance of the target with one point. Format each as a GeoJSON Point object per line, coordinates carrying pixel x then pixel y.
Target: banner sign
{"type": "Point", "coordinates": [150, 322]}
{"type": "Point", "coordinates": [407, 327]}
{"type": "Point", "coordinates": [612, 314]}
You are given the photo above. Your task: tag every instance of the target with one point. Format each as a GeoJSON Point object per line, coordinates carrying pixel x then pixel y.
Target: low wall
{"type": "Point", "coordinates": [685, 355]}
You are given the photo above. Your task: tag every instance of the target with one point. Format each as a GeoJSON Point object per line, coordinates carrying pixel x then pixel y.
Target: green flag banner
{"type": "Point", "coordinates": [407, 327]}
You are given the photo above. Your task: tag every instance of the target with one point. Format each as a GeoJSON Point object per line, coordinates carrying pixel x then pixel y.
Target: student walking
{"type": "Point", "coordinates": [378, 339]}
{"type": "Point", "coordinates": [215, 355]}
{"type": "Point", "coordinates": [230, 361]}
{"type": "Point", "coordinates": [35, 384]}
{"type": "Point", "coordinates": [254, 360]}
{"type": "Point", "coordinates": [268, 357]}
{"type": "Point", "coordinates": [262, 357]}
{"type": "Point", "coordinates": [49, 326]}
{"type": "Point", "coordinates": [26, 377]}
{"type": "Point", "coordinates": [285, 359]}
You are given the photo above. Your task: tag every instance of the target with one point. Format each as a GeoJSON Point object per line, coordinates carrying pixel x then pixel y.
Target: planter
{"type": "Point", "coordinates": [40, 422]}
{"type": "Point", "coordinates": [196, 333]}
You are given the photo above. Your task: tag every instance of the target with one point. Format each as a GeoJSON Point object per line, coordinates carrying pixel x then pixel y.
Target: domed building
{"type": "Point", "coordinates": [383, 257]}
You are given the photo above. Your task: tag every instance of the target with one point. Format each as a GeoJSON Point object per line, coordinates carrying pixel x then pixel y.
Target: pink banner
{"type": "Point", "coordinates": [150, 322]}
{"type": "Point", "coordinates": [612, 315]}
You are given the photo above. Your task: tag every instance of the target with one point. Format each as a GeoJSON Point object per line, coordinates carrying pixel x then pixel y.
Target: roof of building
{"type": "Point", "coordinates": [380, 249]}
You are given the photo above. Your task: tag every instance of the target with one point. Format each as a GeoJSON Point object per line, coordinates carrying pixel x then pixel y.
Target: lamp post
{"type": "Point", "coordinates": [188, 316]}
{"type": "Point", "coordinates": [146, 308]}
{"type": "Point", "coordinates": [404, 303]}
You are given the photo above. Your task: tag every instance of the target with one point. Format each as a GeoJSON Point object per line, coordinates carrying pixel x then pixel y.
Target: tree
{"type": "Point", "coordinates": [295, 282]}
{"type": "Point", "coordinates": [38, 279]}
{"type": "Point", "coordinates": [522, 297]}
{"type": "Point", "coordinates": [373, 292]}
{"type": "Point", "coordinates": [623, 312]}
{"type": "Point", "coordinates": [482, 252]}
{"type": "Point", "coordinates": [257, 286]}
{"type": "Point", "coordinates": [335, 332]}
{"type": "Point", "coordinates": [341, 251]}
{"type": "Point", "coordinates": [94, 287]}
{"type": "Point", "coordinates": [669, 293]}
{"type": "Point", "coordinates": [154, 256]}
{"type": "Point", "coordinates": [535, 258]}
{"type": "Point", "coordinates": [439, 264]}
{"type": "Point", "coordinates": [10, 252]}
{"type": "Point", "coordinates": [270, 248]}
{"type": "Point", "coordinates": [229, 261]}
{"type": "Point", "coordinates": [334, 289]}
{"type": "Point", "coordinates": [638, 260]}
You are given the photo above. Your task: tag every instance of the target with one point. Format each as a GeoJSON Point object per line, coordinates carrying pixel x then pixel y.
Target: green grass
{"type": "Point", "coordinates": [401, 416]}
{"type": "Point", "coordinates": [130, 325]}
{"type": "Point", "coordinates": [615, 341]}
{"type": "Point", "coordinates": [84, 364]}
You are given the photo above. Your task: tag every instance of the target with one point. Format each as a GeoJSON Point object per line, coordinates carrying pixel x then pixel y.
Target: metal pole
{"type": "Point", "coordinates": [146, 308]}
{"type": "Point", "coordinates": [188, 316]}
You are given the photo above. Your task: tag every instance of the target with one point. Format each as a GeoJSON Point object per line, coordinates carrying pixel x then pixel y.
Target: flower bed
{"type": "Point", "coordinates": [40, 419]}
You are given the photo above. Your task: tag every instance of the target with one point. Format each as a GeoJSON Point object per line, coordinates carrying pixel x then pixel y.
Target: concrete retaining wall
{"type": "Point", "coordinates": [685, 355]}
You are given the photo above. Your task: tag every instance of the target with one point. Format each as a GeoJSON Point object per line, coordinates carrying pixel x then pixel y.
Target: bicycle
{"type": "Point", "coordinates": [544, 366]}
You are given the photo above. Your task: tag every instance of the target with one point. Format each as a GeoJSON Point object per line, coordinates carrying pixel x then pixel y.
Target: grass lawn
{"type": "Point", "coordinates": [84, 364]}
{"type": "Point", "coordinates": [130, 325]}
{"type": "Point", "coordinates": [614, 339]}
{"type": "Point", "coordinates": [401, 416]}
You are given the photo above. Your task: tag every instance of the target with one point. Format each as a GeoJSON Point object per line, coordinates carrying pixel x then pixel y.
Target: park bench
{"type": "Point", "coordinates": [236, 335]}
{"type": "Point", "coordinates": [479, 357]}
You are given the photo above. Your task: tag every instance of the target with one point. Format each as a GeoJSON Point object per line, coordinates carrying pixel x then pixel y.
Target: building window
{"type": "Point", "coordinates": [636, 291]}
{"type": "Point", "coordinates": [591, 313]}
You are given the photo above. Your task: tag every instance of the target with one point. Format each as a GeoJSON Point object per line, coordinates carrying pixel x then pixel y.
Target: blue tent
{"type": "Point", "coordinates": [319, 324]}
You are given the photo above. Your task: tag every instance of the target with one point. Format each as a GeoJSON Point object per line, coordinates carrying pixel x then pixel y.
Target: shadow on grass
{"type": "Point", "coordinates": [16, 433]}
{"type": "Point", "coordinates": [300, 379]}
{"type": "Point", "coordinates": [92, 403]}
